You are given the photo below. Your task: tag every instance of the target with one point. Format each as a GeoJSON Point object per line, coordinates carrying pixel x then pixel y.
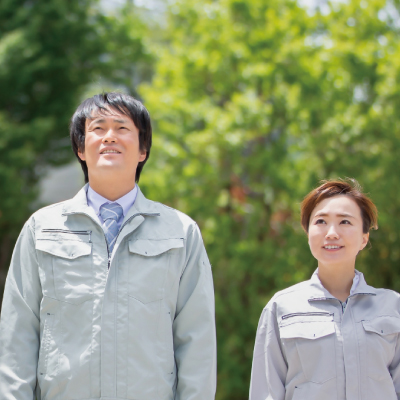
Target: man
{"type": "Point", "coordinates": [109, 295]}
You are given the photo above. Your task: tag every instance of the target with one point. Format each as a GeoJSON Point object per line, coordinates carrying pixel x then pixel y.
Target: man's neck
{"type": "Point", "coordinates": [111, 190]}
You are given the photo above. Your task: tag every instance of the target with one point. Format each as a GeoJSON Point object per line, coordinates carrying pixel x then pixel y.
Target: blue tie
{"type": "Point", "coordinates": [111, 213]}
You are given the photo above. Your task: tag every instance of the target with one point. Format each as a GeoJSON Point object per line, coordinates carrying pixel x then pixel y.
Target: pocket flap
{"type": "Point", "coordinates": [150, 247]}
{"type": "Point", "coordinates": [385, 325]}
{"type": "Point", "coordinates": [307, 330]}
{"type": "Point", "coordinates": [64, 249]}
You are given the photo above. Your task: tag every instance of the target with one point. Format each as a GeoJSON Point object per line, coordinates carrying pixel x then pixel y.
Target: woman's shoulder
{"type": "Point", "coordinates": [294, 290]}
{"type": "Point", "coordinates": [297, 294]}
{"type": "Point", "coordinates": [389, 294]}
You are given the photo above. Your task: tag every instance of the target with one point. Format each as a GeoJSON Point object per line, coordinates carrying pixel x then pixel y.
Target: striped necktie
{"type": "Point", "coordinates": [111, 213]}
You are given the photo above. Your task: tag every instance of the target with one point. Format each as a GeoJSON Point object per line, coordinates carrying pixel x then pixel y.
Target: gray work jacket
{"type": "Point", "coordinates": [143, 329]}
{"type": "Point", "coordinates": [309, 347]}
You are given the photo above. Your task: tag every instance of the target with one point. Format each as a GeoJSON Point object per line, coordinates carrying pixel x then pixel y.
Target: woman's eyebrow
{"type": "Point", "coordinates": [322, 214]}
{"type": "Point", "coordinates": [345, 215]}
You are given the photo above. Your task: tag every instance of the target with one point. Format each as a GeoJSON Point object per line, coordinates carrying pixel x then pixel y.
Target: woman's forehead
{"type": "Point", "coordinates": [337, 205]}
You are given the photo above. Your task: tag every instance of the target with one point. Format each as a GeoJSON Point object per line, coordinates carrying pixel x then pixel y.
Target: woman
{"type": "Point", "coordinates": [332, 337]}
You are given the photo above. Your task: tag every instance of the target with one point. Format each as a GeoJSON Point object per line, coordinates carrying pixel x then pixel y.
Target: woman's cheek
{"type": "Point", "coordinates": [313, 243]}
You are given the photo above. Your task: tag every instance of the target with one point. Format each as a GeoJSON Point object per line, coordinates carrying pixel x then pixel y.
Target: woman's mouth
{"type": "Point", "coordinates": [332, 247]}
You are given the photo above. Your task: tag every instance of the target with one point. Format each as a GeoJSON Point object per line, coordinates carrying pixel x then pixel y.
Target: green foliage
{"type": "Point", "coordinates": [255, 101]}
{"type": "Point", "coordinates": [50, 51]}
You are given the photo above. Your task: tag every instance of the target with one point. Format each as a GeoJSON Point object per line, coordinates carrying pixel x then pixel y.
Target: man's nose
{"type": "Point", "coordinates": [110, 136]}
{"type": "Point", "coordinates": [332, 232]}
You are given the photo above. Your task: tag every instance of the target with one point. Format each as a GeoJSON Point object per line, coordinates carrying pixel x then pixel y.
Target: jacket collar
{"type": "Point", "coordinates": [320, 293]}
{"type": "Point", "coordinates": [79, 205]}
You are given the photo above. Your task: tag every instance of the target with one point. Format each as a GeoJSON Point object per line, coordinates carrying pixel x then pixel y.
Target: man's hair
{"type": "Point", "coordinates": [346, 187]}
{"type": "Point", "coordinates": [102, 104]}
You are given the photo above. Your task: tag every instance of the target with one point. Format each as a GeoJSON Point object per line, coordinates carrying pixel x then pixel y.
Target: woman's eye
{"type": "Point", "coordinates": [319, 221]}
{"type": "Point", "coordinates": [345, 221]}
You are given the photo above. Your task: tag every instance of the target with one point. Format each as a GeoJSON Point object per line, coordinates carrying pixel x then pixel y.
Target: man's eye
{"type": "Point", "coordinates": [319, 221]}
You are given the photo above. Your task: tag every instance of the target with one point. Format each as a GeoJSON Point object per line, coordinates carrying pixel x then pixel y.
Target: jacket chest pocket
{"type": "Point", "coordinates": [68, 258]}
{"type": "Point", "coordinates": [308, 340]}
{"type": "Point", "coordinates": [381, 336]}
{"type": "Point", "coordinates": [149, 261]}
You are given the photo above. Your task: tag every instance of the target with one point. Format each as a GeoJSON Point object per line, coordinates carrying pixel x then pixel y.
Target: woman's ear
{"type": "Point", "coordinates": [365, 240]}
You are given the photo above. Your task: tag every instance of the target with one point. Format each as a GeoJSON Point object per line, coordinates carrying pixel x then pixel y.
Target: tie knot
{"type": "Point", "coordinates": [111, 211]}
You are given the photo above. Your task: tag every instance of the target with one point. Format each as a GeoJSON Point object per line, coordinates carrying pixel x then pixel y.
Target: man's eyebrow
{"type": "Point", "coordinates": [322, 214]}
{"type": "Point", "coordinates": [98, 121]}
{"type": "Point", "coordinates": [102, 121]}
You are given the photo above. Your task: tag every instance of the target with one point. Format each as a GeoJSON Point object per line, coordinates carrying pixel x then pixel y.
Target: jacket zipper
{"type": "Point", "coordinates": [298, 314]}
{"type": "Point", "coordinates": [70, 232]}
{"type": "Point", "coordinates": [97, 222]}
{"type": "Point", "coordinates": [120, 229]}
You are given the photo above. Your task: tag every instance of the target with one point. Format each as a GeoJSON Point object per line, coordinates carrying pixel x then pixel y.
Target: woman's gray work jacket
{"type": "Point", "coordinates": [310, 347]}
{"type": "Point", "coordinates": [140, 328]}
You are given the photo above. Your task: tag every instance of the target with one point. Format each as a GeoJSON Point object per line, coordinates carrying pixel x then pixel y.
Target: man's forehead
{"type": "Point", "coordinates": [101, 114]}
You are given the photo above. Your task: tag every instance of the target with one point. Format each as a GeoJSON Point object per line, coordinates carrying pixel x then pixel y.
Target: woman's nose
{"type": "Point", "coordinates": [332, 233]}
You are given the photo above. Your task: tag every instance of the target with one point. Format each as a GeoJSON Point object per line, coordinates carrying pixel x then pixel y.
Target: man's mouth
{"type": "Point", "coordinates": [110, 152]}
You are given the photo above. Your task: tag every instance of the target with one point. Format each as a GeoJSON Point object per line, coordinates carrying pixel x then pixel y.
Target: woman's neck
{"type": "Point", "coordinates": [337, 280]}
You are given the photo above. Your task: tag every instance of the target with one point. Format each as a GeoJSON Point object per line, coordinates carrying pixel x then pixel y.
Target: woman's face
{"type": "Point", "coordinates": [335, 234]}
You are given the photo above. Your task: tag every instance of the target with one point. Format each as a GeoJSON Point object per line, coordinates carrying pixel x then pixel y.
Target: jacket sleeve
{"type": "Point", "coordinates": [194, 325]}
{"type": "Point", "coordinates": [269, 369]}
{"type": "Point", "coordinates": [394, 368]}
{"type": "Point", "coordinates": [19, 322]}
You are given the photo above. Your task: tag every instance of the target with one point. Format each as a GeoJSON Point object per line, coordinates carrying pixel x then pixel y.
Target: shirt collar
{"type": "Point", "coordinates": [79, 205]}
{"type": "Point", "coordinates": [356, 280]}
{"type": "Point", "coordinates": [359, 287]}
{"type": "Point", "coordinates": [95, 200]}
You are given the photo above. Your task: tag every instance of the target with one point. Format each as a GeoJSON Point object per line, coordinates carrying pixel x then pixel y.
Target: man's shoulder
{"type": "Point", "coordinates": [48, 213]}
{"type": "Point", "coordinates": [51, 209]}
{"type": "Point", "coordinates": [171, 218]}
{"type": "Point", "coordinates": [55, 207]}
{"type": "Point", "coordinates": [170, 212]}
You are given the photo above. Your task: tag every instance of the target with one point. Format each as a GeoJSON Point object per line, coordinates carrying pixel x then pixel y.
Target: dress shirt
{"type": "Point", "coordinates": [96, 201]}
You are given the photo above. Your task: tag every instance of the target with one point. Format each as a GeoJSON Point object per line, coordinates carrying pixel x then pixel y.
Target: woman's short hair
{"type": "Point", "coordinates": [102, 104]}
{"type": "Point", "coordinates": [347, 187]}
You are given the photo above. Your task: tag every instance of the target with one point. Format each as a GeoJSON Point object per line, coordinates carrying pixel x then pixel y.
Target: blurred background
{"type": "Point", "coordinates": [252, 101]}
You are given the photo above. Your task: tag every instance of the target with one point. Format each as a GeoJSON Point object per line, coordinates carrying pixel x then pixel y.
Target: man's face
{"type": "Point", "coordinates": [112, 145]}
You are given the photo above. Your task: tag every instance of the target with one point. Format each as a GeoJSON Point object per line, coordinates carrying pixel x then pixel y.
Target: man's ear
{"type": "Point", "coordinates": [81, 155]}
{"type": "Point", "coordinates": [142, 155]}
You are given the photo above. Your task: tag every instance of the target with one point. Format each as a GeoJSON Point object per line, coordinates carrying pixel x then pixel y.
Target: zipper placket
{"type": "Point", "coordinates": [119, 231]}
{"type": "Point", "coordinates": [105, 239]}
